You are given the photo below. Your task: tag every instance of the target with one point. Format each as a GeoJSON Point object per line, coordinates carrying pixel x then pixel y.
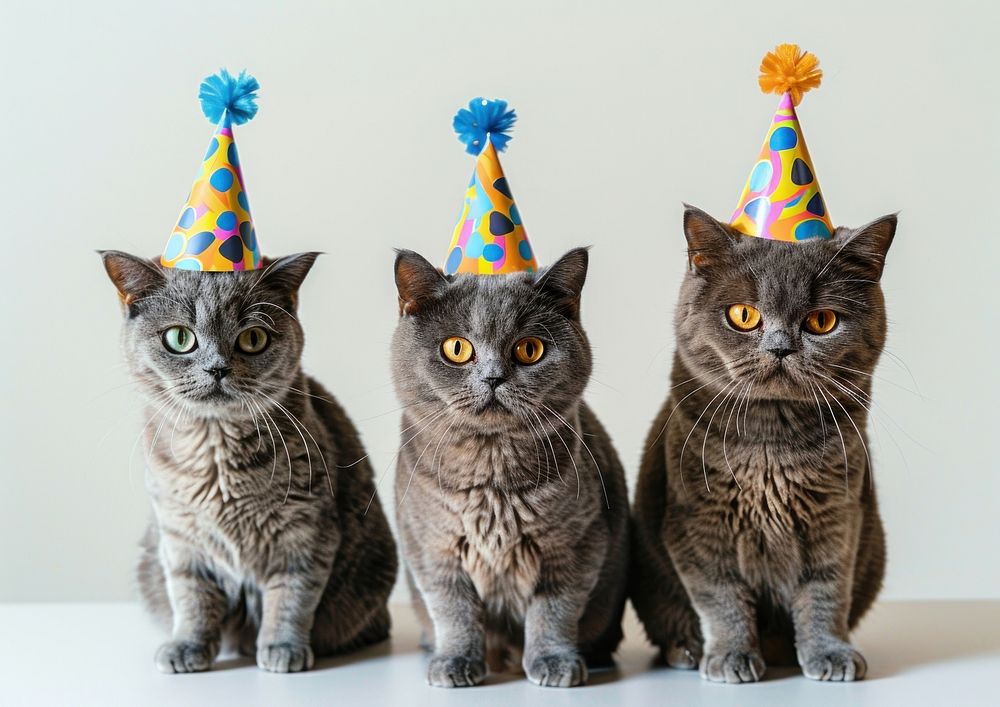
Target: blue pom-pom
{"type": "Point", "coordinates": [483, 118]}
{"type": "Point", "coordinates": [223, 92]}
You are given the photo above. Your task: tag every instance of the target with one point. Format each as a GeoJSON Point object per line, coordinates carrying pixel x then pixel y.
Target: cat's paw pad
{"type": "Point", "coordinates": [680, 655]}
{"type": "Point", "coordinates": [840, 663]}
{"type": "Point", "coordinates": [184, 657]}
{"type": "Point", "coordinates": [455, 671]}
{"type": "Point", "coordinates": [566, 669]}
{"type": "Point", "coordinates": [292, 657]}
{"type": "Point", "coordinates": [732, 666]}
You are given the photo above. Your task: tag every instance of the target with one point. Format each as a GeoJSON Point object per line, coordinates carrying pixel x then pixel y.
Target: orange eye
{"type": "Point", "coordinates": [743, 317]}
{"type": "Point", "coordinates": [457, 350]}
{"type": "Point", "coordinates": [529, 350]}
{"type": "Point", "coordinates": [822, 321]}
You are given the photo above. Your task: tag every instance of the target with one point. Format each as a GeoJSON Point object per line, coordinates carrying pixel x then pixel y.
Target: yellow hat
{"type": "Point", "coordinates": [781, 199]}
{"type": "Point", "coordinates": [489, 238]}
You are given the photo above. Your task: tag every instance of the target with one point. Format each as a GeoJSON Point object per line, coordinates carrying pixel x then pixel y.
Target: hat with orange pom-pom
{"type": "Point", "coordinates": [781, 199]}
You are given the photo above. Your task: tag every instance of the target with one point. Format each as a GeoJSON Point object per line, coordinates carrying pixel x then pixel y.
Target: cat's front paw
{"type": "Point", "coordinates": [838, 662]}
{"type": "Point", "coordinates": [566, 669]}
{"type": "Point", "coordinates": [455, 671]}
{"type": "Point", "coordinates": [290, 657]}
{"type": "Point", "coordinates": [732, 666]}
{"type": "Point", "coordinates": [185, 657]}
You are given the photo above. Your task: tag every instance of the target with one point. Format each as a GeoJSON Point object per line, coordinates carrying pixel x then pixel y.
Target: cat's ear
{"type": "Point", "coordinates": [563, 281]}
{"type": "Point", "coordinates": [287, 273]}
{"type": "Point", "coordinates": [133, 277]}
{"type": "Point", "coordinates": [867, 246]}
{"type": "Point", "coordinates": [709, 241]}
{"type": "Point", "coordinates": [416, 281]}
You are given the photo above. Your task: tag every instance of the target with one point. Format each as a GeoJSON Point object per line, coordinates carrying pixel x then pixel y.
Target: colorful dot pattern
{"type": "Point", "coordinates": [781, 199]}
{"type": "Point", "coordinates": [215, 232]}
{"type": "Point", "coordinates": [489, 238]}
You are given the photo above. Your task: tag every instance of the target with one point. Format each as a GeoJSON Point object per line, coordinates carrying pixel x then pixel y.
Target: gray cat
{"type": "Point", "coordinates": [258, 479]}
{"type": "Point", "coordinates": [511, 502]}
{"type": "Point", "coordinates": [757, 533]}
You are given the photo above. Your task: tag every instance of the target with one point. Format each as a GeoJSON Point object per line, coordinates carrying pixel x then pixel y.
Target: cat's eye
{"type": "Point", "coordinates": [743, 317]}
{"type": "Point", "coordinates": [457, 350]}
{"type": "Point", "coordinates": [529, 350]}
{"type": "Point", "coordinates": [179, 340]}
{"type": "Point", "coordinates": [821, 321]}
{"type": "Point", "coordinates": [252, 340]}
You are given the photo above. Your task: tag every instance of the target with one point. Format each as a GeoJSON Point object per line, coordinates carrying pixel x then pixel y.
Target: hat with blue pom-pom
{"type": "Point", "coordinates": [215, 232]}
{"type": "Point", "coordinates": [781, 199]}
{"type": "Point", "coordinates": [489, 238]}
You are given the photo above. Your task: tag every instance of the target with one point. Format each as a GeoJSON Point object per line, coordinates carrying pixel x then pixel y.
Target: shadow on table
{"type": "Point", "coordinates": [899, 637]}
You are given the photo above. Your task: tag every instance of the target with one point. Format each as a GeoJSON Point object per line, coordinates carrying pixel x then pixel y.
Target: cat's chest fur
{"type": "Point", "coordinates": [496, 546]}
{"type": "Point", "coordinates": [213, 488]}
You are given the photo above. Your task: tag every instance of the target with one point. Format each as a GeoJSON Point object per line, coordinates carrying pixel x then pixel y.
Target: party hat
{"type": "Point", "coordinates": [489, 238]}
{"type": "Point", "coordinates": [782, 199]}
{"type": "Point", "coordinates": [214, 231]}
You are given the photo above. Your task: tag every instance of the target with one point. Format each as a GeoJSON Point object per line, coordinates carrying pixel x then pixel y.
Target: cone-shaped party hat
{"type": "Point", "coordinates": [214, 231]}
{"type": "Point", "coordinates": [489, 238]}
{"type": "Point", "coordinates": [782, 199]}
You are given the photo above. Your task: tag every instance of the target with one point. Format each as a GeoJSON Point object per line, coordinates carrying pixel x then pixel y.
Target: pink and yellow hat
{"type": "Point", "coordinates": [781, 199]}
{"type": "Point", "coordinates": [215, 232]}
{"type": "Point", "coordinates": [489, 238]}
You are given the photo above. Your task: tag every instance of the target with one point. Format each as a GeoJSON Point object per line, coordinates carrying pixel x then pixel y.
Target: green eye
{"type": "Point", "coordinates": [179, 340]}
{"type": "Point", "coordinates": [252, 340]}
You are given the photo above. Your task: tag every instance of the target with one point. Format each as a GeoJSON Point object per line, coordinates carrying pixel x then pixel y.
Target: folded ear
{"type": "Point", "coordinates": [287, 272]}
{"type": "Point", "coordinates": [133, 277]}
{"type": "Point", "coordinates": [417, 281]}
{"type": "Point", "coordinates": [709, 241]}
{"type": "Point", "coordinates": [867, 246]}
{"type": "Point", "coordinates": [563, 281]}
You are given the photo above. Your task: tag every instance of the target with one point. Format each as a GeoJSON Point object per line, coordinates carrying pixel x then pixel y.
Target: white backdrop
{"type": "Point", "coordinates": [626, 109]}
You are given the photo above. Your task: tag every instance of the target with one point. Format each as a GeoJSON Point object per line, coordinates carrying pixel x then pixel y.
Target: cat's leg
{"type": "Point", "coordinates": [458, 616]}
{"type": "Point", "coordinates": [821, 604]}
{"type": "Point", "coordinates": [725, 604]}
{"type": "Point", "coordinates": [198, 606]}
{"type": "Point", "coordinates": [289, 598]}
{"type": "Point", "coordinates": [551, 656]}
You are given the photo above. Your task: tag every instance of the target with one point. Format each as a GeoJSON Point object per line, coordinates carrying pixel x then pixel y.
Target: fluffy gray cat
{"type": "Point", "coordinates": [511, 502]}
{"type": "Point", "coordinates": [757, 533]}
{"type": "Point", "coordinates": [258, 479]}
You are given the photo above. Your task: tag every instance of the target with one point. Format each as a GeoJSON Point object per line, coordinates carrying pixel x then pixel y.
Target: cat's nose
{"type": "Point", "coordinates": [494, 381]}
{"type": "Point", "coordinates": [780, 353]}
{"type": "Point", "coordinates": [219, 373]}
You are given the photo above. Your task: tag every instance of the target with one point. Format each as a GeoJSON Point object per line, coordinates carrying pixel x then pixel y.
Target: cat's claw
{"type": "Point", "coordinates": [840, 663]}
{"type": "Point", "coordinates": [285, 657]}
{"type": "Point", "coordinates": [732, 666]}
{"type": "Point", "coordinates": [455, 671]}
{"type": "Point", "coordinates": [566, 669]}
{"type": "Point", "coordinates": [184, 657]}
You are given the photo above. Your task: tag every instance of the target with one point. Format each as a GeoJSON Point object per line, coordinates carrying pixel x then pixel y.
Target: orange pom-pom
{"type": "Point", "coordinates": [790, 70]}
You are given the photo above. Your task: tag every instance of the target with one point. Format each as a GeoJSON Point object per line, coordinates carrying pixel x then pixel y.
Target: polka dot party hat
{"type": "Point", "coordinates": [781, 199]}
{"type": "Point", "coordinates": [215, 232]}
{"type": "Point", "coordinates": [489, 238]}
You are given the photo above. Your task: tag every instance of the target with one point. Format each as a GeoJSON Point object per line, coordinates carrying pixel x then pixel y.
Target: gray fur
{"type": "Point", "coordinates": [511, 543]}
{"type": "Point", "coordinates": [757, 530]}
{"type": "Point", "coordinates": [259, 481]}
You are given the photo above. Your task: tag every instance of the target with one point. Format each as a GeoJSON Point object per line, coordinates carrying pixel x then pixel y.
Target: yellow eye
{"type": "Point", "coordinates": [529, 350]}
{"type": "Point", "coordinates": [743, 317]}
{"type": "Point", "coordinates": [457, 350]}
{"type": "Point", "coordinates": [822, 321]}
{"type": "Point", "coordinates": [252, 340]}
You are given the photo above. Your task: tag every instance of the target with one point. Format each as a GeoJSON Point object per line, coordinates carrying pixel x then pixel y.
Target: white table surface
{"type": "Point", "coordinates": [919, 653]}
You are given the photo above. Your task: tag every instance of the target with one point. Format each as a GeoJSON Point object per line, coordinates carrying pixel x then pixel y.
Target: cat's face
{"type": "Point", "coordinates": [212, 343]}
{"type": "Point", "coordinates": [797, 320]}
{"type": "Point", "coordinates": [494, 352]}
